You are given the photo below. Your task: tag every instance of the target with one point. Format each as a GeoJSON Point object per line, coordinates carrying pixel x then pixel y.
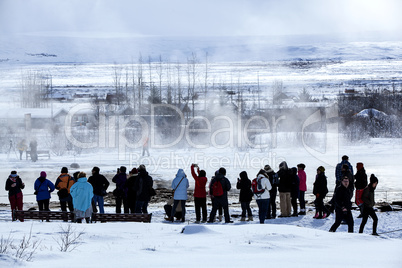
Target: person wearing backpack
{"type": "Point", "coordinates": [219, 188]}
{"type": "Point", "coordinates": [63, 184]}
{"type": "Point", "coordinates": [302, 187]}
{"type": "Point", "coordinates": [274, 180]}
{"type": "Point", "coordinates": [261, 187]}
{"type": "Point", "coordinates": [179, 185]}
{"type": "Point", "coordinates": [246, 195]}
{"type": "Point", "coordinates": [368, 203]}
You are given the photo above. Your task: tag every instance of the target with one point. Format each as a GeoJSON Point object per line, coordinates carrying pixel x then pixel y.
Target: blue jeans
{"type": "Point", "coordinates": [98, 200]}
{"type": "Point", "coordinates": [262, 208]}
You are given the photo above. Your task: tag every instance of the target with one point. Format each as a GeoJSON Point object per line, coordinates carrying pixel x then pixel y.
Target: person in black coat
{"type": "Point", "coordinates": [14, 185]}
{"type": "Point", "coordinates": [274, 180]}
{"type": "Point", "coordinates": [285, 189]}
{"type": "Point", "coordinates": [131, 190]}
{"type": "Point", "coordinates": [246, 195]}
{"type": "Point", "coordinates": [295, 191]}
{"type": "Point", "coordinates": [320, 190]}
{"type": "Point", "coordinates": [220, 201]}
{"type": "Point", "coordinates": [143, 186]}
{"type": "Point", "coordinates": [360, 184]}
{"type": "Point", "coordinates": [99, 184]}
{"type": "Point", "coordinates": [343, 206]}
{"type": "Point", "coordinates": [368, 201]}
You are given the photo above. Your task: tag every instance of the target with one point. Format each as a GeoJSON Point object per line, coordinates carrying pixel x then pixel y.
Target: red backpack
{"type": "Point", "coordinates": [217, 189]}
{"type": "Point", "coordinates": [256, 187]}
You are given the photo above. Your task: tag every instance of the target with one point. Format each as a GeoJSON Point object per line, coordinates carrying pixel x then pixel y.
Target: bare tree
{"type": "Point", "coordinates": [117, 69]}
{"type": "Point", "coordinates": [35, 88]}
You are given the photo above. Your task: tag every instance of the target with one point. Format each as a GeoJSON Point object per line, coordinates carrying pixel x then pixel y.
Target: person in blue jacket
{"type": "Point", "coordinates": [43, 187]}
{"type": "Point", "coordinates": [82, 193]}
{"type": "Point", "coordinates": [180, 185]}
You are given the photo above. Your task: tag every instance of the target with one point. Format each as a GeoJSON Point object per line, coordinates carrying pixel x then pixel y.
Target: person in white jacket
{"type": "Point", "coordinates": [262, 196]}
{"type": "Point", "coordinates": [179, 186]}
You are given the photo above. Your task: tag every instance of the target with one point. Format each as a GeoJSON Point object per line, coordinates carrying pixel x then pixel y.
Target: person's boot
{"type": "Point", "coordinates": [243, 219]}
{"type": "Point", "coordinates": [78, 221]}
{"type": "Point", "coordinates": [220, 217]}
{"type": "Point", "coordinates": [316, 215]}
{"type": "Point", "coordinates": [250, 218]}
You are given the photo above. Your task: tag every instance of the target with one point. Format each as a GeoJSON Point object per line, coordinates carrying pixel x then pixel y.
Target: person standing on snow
{"type": "Point", "coordinates": [320, 190]}
{"type": "Point", "coordinates": [14, 185]}
{"type": "Point", "coordinates": [295, 191]}
{"type": "Point", "coordinates": [360, 184]}
{"type": "Point", "coordinates": [246, 195]}
{"type": "Point", "coordinates": [63, 184]}
{"type": "Point", "coordinates": [200, 194]}
{"type": "Point", "coordinates": [262, 199]}
{"type": "Point", "coordinates": [285, 189]}
{"type": "Point", "coordinates": [131, 190]}
{"type": "Point", "coordinates": [302, 187]}
{"type": "Point", "coordinates": [120, 192]}
{"type": "Point", "coordinates": [179, 186]}
{"type": "Point", "coordinates": [274, 180]}
{"type": "Point", "coordinates": [368, 201]}
{"type": "Point", "coordinates": [100, 185]}
{"type": "Point", "coordinates": [343, 206]}
{"type": "Point", "coordinates": [219, 188]}
{"type": "Point", "coordinates": [43, 187]}
{"type": "Point", "coordinates": [82, 193]}
{"type": "Point", "coordinates": [143, 186]}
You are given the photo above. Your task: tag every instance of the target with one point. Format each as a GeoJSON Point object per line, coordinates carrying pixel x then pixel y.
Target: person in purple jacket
{"type": "Point", "coordinates": [43, 187]}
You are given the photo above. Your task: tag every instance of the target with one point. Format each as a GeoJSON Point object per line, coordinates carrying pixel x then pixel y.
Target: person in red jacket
{"type": "Point", "coordinates": [200, 194]}
{"type": "Point", "coordinates": [302, 187]}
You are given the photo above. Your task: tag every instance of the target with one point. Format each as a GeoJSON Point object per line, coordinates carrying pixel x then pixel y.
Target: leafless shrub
{"type": "Point", "coordinates": [68, 239]}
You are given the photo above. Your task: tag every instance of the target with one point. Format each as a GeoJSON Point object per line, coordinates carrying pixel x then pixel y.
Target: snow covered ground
{"type": "Point", "coordinates": [300, 241]}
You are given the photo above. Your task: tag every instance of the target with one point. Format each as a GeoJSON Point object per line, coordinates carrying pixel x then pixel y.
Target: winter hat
{"type": "Point", "coordinates": [359, 166]}
{"type": "Point", "coordinates": [302, 166]}
{"type": "Point", "coordinates": [123, 169]}
{"type": "Point", "coordinates": [373, 179]}
{"type": "Point", "coordinates": [142, 167]}
{"type": "Point", "coordinates": [283, 165]}
{"type": "Point", "coordinates": [222, 171]}
{"type": "Point", "coordinates": [134, 172]}
{"type": "Point", "coordinates": [262, 172]}
{"type": "Point", "coordinates": [321, 168]}
{"type": "Point", "coordinates": [43, 174]}
{"type": "Point", "coordinates": [345, 166]}
{"type": "Point", "coordinates": [268, 168]}
{"type": "Point", "coordinates": [96, 170]}
{"type": "Point", "coordinates": [82, 175]}
{"type": "Point", "coordinates": [64, 170]}
{"type": "Point", "coordinates": [345, 157]}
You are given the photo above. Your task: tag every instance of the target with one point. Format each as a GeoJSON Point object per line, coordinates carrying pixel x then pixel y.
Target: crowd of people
{"type": "Point", "coordinates": [134, 191]}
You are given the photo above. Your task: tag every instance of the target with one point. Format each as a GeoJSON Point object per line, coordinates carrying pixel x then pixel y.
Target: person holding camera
{"type": "Point", "coordinates": [200, 194]}
{"type": "Point", "coordinates": [43, 187]}
{"type": "Point", "coordinates": [14, 185]}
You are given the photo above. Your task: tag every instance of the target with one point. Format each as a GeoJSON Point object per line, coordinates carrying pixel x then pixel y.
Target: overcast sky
{"type": "Point", "coordinates": [201, 17]}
